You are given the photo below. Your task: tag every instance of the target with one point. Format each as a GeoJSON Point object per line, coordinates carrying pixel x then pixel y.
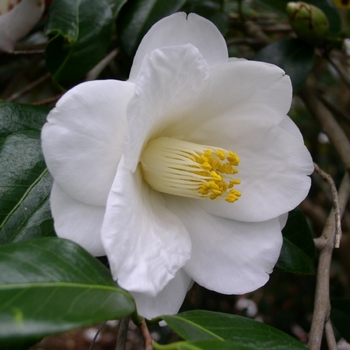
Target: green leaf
{"type": "Point", "coordinates": [25, 186]}
{"type": "Point", "coordinates": [80, 33]}
{"type": "Point", "coordinates": [293, 259]}
{"type": "Point", "coordinates": [206, 345]}
{"type": "Point", "coordinates": [52, 285]}
{"type": "Point", "coordinates": [298, 250]}
{"type": "Point", "coordinates": [17, 117]}
{"type": "Point", "coordinates": [210, 345]}
{"type": "Point", "coordinates": [325, 5]}
{"type": "Point", "coordinates": [138, 16]}
{"type": "Point", "coordinates": [216, 327]}
{"type": "Point", "coordinates": [294, 56]}
{"type": "Point", "coordinates": [340, 316]}
{"type": "Point", "coordinates": [116, 6]}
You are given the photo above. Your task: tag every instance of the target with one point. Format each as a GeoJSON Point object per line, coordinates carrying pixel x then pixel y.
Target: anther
{"type": "Point", "coordinates": [191, 170]}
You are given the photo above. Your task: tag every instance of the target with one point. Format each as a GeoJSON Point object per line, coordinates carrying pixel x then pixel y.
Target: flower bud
{"type": "Point", "coordinates": [308, 21]}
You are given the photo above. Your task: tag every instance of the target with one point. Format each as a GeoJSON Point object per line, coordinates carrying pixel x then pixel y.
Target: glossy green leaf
{"type": "Point", "coordinates": [294, 56]}
{"type": "Point", "coordinates": [201, 325]}
{"type": "Point", "coordinates": [17, 117]}
{"type": "Point", "coordinates": [298, 250]}
{"type": "Point", "coordinates": [207, 345]}
{"type": "Point", "coordinates": [138, 16]}
{"type": "Point", "coordinates": [293, 259]}
{"type": "Point", "coordinates": [340, 316]}
{"type": "Point", "coordinates": [25, 186]}
{"type": "Point", "coordinates": [80, 33]}
{"type": "Point", "coordinates": [51, 285]}
{"type": "Point", "coordinates": [297, 230]}
{"type": "Point", "coordinates": [325, 5]}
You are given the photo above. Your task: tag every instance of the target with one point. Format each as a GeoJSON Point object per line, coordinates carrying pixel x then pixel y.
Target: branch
{"type": "Point", "coordinates": [96, 335]}
{"type": "Point", "coordinates": [122, 333]}
{"type": "Point", "coordinates": [100, 66]}
{"type": "Point", "coordinates": [148, 341]}
{"type": "Point", "coordinates": [343, 74]}
{"type": "Point", "coordinates": [329, 125]}
{"type": "Point", "coordinates": [336, 209]}
{"type": "Point", "coordinates": [48, 101]}
{"type": "Point", "coordinates": [331, 342]}
{"type": "Point", "coordinates": [322, 303]}
{"type": "Point", "coordinates": [28, 88]}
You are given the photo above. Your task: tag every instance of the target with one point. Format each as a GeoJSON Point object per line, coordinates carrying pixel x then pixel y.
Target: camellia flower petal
{"type": "Point", "coordinates": [17, 18]}
{"type": "Point", "coordinates": [184, 173]}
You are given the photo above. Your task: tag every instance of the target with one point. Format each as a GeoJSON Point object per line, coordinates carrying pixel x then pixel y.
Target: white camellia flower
{"type": "Point", "coordinates": [17, 18]}
{"type": "Point", "coordinates": [183, 173]}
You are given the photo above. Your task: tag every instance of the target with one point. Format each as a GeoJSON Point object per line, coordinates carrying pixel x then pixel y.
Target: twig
{"type": "Point", "coordinates": [29, 87]}
{"type": "Point", "coordinates": [29, 52]}
{"type": "Point", "coordinates": [279, 27]}
{"type": "Point", "coordinates": [244, 41]}
{"type": "Point", "coordinates": [100, 66]}
{"type": "Point", "coordinates": [254, 30]}
{"type": "Point", "coordinates": [148, 341]}
{"type": "Point", "coordinates": [320, 242]}
{"type": "Point", "coordinates": [47, 101]}
{"type": "Point", "coordinates": [343, 74]}
{"type": "Point", "coordinates": [329, 125]}
{"type": "Point", "coordinates": [337, 218]}
{"type": "Point", "coordinates": [335, 110]}
{"type": "Point", "coordinates": [96, 335]}
{"type": "Point", "coordinates": [322, 303]}
{"type": "Point", "coordinates": [122, 333]}
{"type": "Point", "coordinates": [315, 212]}
{"type": "Point", "coordinates": [331, 342]}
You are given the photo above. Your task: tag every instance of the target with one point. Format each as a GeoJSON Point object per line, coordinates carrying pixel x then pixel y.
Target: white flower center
{"type": "Point", "coordinates": [190, 170]}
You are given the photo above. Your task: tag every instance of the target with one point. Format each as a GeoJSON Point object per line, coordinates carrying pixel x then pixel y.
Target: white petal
{"type": "Point", "coordinates": [288, 125]}
{"type": "Point", "coordinates": [247, 89]}
{"type": "Point", "coordinates": [239, 89]}
{"type": "Point", "coordinates": [170, 80]}
{"type": "Point", "coordinates": [168, 301]}
{"type": "Point", "coordinates": [77, 221]}
{"type": "Point", "coordinates": [228, 256]}
{"type": "Point", "coordinates": [180, 29]}
{"type": "Point", "coordinates": [145, 243]}
{"type": "Point", "coordinates": [273, 170]}
{"type": "Point", "coordinates": [14, 25]}
{"type": "Point", "coordinates": [283, 220]}
{"type": "Point", "coordinates": [84, 136]}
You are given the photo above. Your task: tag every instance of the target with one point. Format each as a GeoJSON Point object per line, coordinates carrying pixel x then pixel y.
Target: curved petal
{"type": "Point", "coordinates": [283, 220]}
{"type": "Point", "coordinates": [228, 256]}
{"type": "Point", "coordinates": [288, 125]}
{"type": "Point", "coordinates": [239, 89]}
{"type": "Point", "coordinates": [248, 89]}
{"type": "Point", "coordinates": [145, 243]}
{"type": "Point", "coordinates": [17, 23]}
{"type": "Point", "coordinates": [166, 88]}
{"type": "Point", "coordinates": [180, 29]}
{"type": "Point", "coordinates": [273, 170]}
{"type": "Point", "coordinates": [166, 302]}
{"type": "Point", "coordinates": [77, 221]}
{"type": "Point", "coordinates": [84, 136]}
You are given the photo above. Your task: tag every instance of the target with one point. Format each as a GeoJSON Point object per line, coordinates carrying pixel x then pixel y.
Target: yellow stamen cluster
{"type": "Point", "coordinates": [190, 170]}
{"type": "Point", "coordinates": [215, 170]}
